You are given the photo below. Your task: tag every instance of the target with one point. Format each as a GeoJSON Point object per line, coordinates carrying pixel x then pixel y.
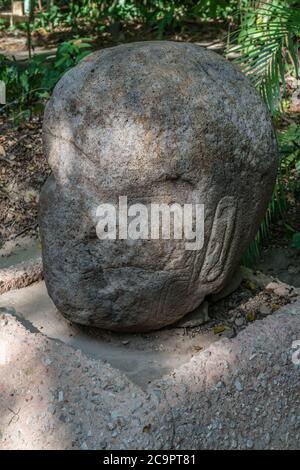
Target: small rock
{"type": "Point", "coordinates": [239, 321]}
{"type": "Point", "coordinates": [78, 430]}
{"type": "Point", "coordinates": [30, 195]}
{"type": "Point", "coordinates": [62, 418]}
{"type": "Point", "coordinates": [233, 444]}
{"type": "Point", "coordinates": [293, 270]}
{"type": "Point", "coordinates": [115, 414]}
{"type": "Point", "coordinates": [220, 384]}
{"type": "Point", "coordinates": [280, 289]}
{"type": "Point", "coordinates": [230, 333]}
{"type": "Point", "coordinates": [239, 387]}
{"type": "Point", "coordinates": [60, 395]}
{"type": "Point", "coordinates": [111, 426]}
{"type": "Point", "coordinates": [265, 309]}
{"type": "Point", "coordinates": [249, 443]}
{"type": "Point", "coordinates": [47, 361]}
{"type": "Point", "coordinates": [157, 393]}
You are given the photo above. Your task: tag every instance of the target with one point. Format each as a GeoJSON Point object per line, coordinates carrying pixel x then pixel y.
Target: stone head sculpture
{"type": "Point", "coordinates": [159, 122]}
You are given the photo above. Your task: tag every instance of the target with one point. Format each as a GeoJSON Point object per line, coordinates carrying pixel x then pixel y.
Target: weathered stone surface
{"type": "Point", "coordinates": [156, 122]}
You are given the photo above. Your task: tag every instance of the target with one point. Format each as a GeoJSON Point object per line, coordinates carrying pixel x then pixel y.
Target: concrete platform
{"type": "Point", "coordinates": [142, 357]}
{"type": "Point", "coordinates": [63, 387]}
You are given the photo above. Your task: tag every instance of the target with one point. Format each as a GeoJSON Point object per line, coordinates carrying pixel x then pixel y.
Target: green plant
{"type": "Point", "coordinates": [289, 141]}
{"type": "Point", "coordinates": [124, 10]}
{"type": "Point", "coordinates": [296, 240]}
{"type": "Point", "coordinates": [212, 9]}
{"type": "Point", "coordinates": [50, 18]}
{"type": "Point", "coordinates": [267, 45]}
{"type": "Point", "coordinates": [2, 24]}
{"type": "Point", "coordinates": [28, 86]}
{"type": "Point", "coordinates": [288, 180]}
{"type": "Point", "coordinates": [69, 53]}
{"type": "Point", "coordinates": [160, 15]}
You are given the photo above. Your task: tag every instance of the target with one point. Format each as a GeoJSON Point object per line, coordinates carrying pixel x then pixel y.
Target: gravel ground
{"type": "Point", "coordinates": [239, 393]}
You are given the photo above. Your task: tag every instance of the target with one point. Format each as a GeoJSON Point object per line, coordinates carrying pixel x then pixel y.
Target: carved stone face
{"type": "Point", "coordinates": [157, 122]}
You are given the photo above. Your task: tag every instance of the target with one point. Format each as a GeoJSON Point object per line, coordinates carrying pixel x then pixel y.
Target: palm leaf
{"type": "Point", "coordinates": [266, 43]}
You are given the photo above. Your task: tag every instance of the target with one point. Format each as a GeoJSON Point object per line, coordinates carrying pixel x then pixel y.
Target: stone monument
{"type": "Point", "coordinates": [153, 122]}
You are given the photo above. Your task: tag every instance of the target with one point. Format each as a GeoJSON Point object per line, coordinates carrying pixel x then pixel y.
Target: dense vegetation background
{"type": "Point", "coordinates": [261, 37]}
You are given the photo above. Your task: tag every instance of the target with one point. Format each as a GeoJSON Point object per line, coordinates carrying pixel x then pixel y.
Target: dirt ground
{"type": "Point", "coordinates": [23, 171]}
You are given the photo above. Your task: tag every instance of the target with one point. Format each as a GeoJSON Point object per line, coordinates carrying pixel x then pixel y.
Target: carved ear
{"type": "Point", "coordinates": [220, 239]}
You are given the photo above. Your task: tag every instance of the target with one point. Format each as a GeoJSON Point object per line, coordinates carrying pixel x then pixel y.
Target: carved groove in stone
{"type": "Point", "coordinates": [220, 239]}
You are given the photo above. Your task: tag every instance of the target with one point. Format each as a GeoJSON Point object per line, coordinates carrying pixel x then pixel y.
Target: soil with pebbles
{"type": "Point", "coordinates": [248, 303]}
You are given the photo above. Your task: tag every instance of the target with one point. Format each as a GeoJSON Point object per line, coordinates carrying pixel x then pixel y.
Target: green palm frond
{"type": "Point", "coordinates": [289, 152]}
{"type": "Point", "coordinates": [266, 44]}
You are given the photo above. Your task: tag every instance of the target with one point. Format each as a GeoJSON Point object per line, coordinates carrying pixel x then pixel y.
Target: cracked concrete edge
{"type": "Point", "coordinates": [256, 338]}
{"type": "Point", "coordinates": [240, 384]}
{"type": "Point", "coordinates": [239, 393]}
{"type": "Point", "coordinates": [21, 275]}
